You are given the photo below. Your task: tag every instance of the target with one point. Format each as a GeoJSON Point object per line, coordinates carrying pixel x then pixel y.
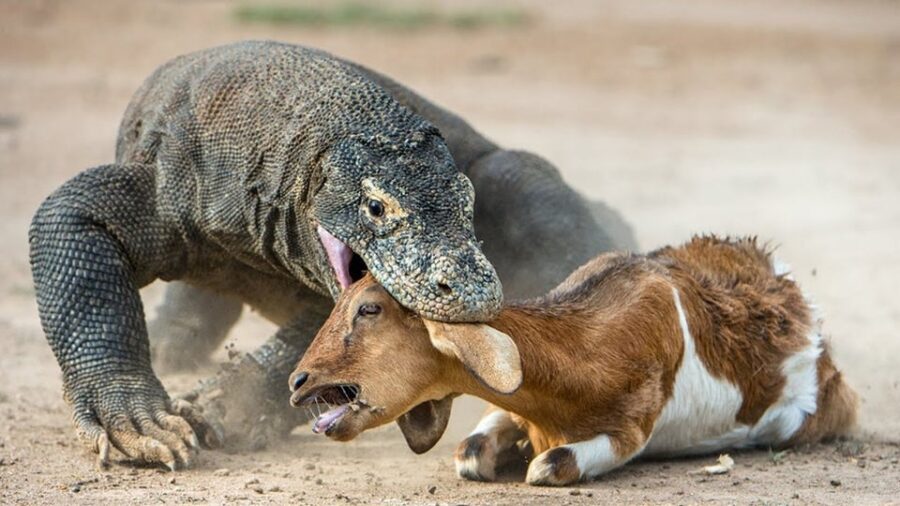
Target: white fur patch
{"type": "Point", "coordinates": [798, 398]}
{"type": "Point", "coordinates": [491, 423]}
{"type": "Point", "coordinates": [596, 456]}
{"type": "Point", "coordinates": [483, 466]}
{"type": "Point", "coordinates": [700, 415]}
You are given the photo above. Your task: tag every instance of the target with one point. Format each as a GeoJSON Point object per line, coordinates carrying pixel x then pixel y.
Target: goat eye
{"type": "Point", "coordinates": [376, 208]}
{"type": "Point", "coordinates": [369, 310]}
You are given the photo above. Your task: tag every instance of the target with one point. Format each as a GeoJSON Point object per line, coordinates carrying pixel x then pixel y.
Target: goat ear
{"type": "Point", "coordinates": [490, 355]}
{"type": "Point", "coordinates": [424, 425]}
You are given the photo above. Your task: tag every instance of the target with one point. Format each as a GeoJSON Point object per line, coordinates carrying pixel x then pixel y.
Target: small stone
{"type": "Point", "coordinates": [309, 467]}
{"type": "Point", "coordinates": [835, 483]}
{"type": "Point", "coordinates": [575, 492]}
{"type": "Point", "coordinates": [432, 489]}
{"type": "Point", "coordinates": [795, 496]}
{"type": "Point", "coordinates": [222, 472]}
{"type": "Point", "coordinates": [76, 488]}
{"type": "Point", "coordinates": [318, 481]}
{"type": "Point", "coordinates": [258, 489]}
{"type": "Point", "coordinates": [172, 480]}
{"type": "Point", "coordinates": [275, 489]}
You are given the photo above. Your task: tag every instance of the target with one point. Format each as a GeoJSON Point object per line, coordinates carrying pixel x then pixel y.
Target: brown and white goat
{"type": "Point", "coordinates": [686, 350]}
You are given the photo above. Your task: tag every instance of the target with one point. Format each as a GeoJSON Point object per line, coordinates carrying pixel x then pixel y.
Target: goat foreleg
{"type": "Point", "coordinates": [477, 455]}
{"type": "Point", "coordinates": [585, 460]}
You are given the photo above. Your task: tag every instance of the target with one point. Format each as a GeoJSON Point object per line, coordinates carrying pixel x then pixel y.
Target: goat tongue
{"type": "Point", "coordinates": [327, 419]}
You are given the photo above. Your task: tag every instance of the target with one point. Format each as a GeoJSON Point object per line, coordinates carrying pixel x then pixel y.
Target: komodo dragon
{"type": "Point", "coordinates": [275, 175]}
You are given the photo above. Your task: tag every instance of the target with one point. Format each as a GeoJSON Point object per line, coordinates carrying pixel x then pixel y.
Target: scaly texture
{"type": "Point", "coordinates": [272, 174]}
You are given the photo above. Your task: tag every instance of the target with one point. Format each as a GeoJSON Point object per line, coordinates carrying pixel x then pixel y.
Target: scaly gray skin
{"type": "Point", "coordinates": [228, 161]}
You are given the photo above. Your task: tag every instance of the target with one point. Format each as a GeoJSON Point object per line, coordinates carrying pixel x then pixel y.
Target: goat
{"type": "Point", "coordinates": [686, 350]}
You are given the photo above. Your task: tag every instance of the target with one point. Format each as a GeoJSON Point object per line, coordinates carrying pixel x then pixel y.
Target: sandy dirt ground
{"type": "Point", "coordinates": [775, 118]}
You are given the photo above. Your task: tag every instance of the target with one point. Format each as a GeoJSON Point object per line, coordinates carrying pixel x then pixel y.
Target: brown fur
{"type": "Point", "coordinates": [600, 353]}
{"type": "Point", "coordinates": [745, 320]}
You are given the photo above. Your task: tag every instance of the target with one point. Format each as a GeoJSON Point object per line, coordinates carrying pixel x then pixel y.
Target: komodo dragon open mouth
{"type": "Point", "coordinates": [346, 264]}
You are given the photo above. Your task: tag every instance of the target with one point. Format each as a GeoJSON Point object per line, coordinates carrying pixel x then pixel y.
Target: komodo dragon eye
{"type": "Point", "coordinates": [376, 208]}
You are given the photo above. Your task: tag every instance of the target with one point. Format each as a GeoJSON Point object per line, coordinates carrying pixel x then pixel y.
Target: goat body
{"type": "Point", "coordinates": [687, 350]}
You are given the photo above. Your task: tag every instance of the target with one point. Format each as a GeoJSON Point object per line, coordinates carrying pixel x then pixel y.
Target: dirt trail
{"type": "Point", "coordinates": [771, 118]}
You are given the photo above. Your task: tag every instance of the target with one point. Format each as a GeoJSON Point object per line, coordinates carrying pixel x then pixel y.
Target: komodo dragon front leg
{"type": "Point", "coordinates": [94, 243]}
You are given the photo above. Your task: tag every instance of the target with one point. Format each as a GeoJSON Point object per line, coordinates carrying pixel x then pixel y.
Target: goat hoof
{"type": "Point", "coordinates": [476, 458]}
{"type": "Point", "coordinates": [554, 467]}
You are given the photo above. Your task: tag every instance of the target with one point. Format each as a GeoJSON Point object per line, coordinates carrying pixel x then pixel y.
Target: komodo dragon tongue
{"type": "Point", "coordinates": [339, 255]}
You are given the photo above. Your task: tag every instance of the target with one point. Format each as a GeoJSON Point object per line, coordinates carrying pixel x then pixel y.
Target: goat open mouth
{"type": "Point", "coordinates": [328, 405]}
{"type": "Point", "coordinates": [346, 264]}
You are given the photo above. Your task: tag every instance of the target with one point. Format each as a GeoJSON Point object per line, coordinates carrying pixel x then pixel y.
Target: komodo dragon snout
{"type": "Point", "coordinates": [402, 210]}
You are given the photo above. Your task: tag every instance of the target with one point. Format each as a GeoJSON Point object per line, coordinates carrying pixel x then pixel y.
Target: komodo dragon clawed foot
{"type": "Point", "coordinates": [245, 401]}
{"type": "Point", "coordinates": [242, 409]}
{"type": "Point", "coordinates": [140, 421]}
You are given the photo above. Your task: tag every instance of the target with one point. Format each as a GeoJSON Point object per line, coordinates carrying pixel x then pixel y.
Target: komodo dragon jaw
{"type": "Point", "coordinates": [402, 211]}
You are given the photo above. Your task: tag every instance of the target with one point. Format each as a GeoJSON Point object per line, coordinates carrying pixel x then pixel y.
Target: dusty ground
{"type": "Point", "coordinates": [773, 118]}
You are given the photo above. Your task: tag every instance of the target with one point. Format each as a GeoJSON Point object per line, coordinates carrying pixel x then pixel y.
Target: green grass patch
{"type": "Point", "coordinates": [378, 16]}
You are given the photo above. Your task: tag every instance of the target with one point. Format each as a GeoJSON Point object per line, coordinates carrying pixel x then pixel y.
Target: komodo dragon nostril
{"type": "Point", "coordinates": [298, 381]}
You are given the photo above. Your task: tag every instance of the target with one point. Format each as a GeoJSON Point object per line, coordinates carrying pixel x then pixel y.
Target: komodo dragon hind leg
{"type": "Point", "coordinates": [190, 324]}
{"type": "Point", "coordinates": [247, 400]}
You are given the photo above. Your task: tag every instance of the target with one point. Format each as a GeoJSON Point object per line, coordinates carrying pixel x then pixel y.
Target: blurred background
{"type": "Point", "coordinates": [778, 118]}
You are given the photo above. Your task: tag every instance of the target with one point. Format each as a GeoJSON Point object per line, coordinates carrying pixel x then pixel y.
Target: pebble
{"type": "Point", "coordinates": [835, 483]}
{"type": "Point", "coordinates": [574, 492]}
{"type": "Point", "coordinates": [222, 472]}
{"type": "Point", "coordinates": [251, 481]}
{"type": "Point", "coordinates": [432, 489]}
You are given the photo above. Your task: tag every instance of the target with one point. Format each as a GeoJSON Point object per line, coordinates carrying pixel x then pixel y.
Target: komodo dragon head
{"type": "Point", "coordinates": [402, 211]}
